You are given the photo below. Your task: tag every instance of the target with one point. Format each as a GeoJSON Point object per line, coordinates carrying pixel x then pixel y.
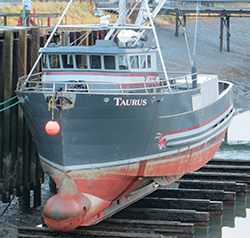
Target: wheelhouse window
{"type": "Point", "coordinates": [142, 61]}
{"type": "Point", "coordinates": [54, 61]}
{"type": "Point", "coordinates": [45, 62]}
{"type": "Point", "coordinates": [109, 62]}
{"type": "Point", "coordinates": [81, 61]}
{"type": "Point", "coordinates": [134, 62]}
{"type": "Point", "coordinates": [95, 61]}
{"type": "Point", "coordinates": [67, 61]}
{"type": "Point", "coordinates": [149, 61]}
{"type": "Point", "coordinates": [123, 63]}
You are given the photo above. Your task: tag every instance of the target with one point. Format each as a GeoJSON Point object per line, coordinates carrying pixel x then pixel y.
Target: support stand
{"type": "Point", "coordinates": [179, 21]}
{"type": "Point", "coordinates": [225, 21]}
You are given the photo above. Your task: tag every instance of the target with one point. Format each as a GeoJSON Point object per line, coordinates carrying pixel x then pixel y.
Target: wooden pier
{"type": "Point", "coordinates": [193, 204]}
{"type": "Point", "coordinates": [181, 10]}
{"type": "Point", "coordinates": [181, 15]}
{"type": "Point", "coordinates": [20, 171]}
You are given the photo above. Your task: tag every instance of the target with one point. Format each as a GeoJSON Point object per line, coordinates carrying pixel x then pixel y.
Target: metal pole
{"type": "Point", "coordinates": [49, 39]}
{"type": "Point", "coordinates": [228, 33]}
{"type": "Point", "coordinates": [122, 6]}
{"type": "Point", "coordinates": [157, 44]}
{"type": "Point", "coordinates": [196, 30]}
{"type": "Point", "coordinates": [194, 75]}
{"type": "Point", "coordinates": [221, 32]}
{"type": "Point", "coordinates": [177, 24]}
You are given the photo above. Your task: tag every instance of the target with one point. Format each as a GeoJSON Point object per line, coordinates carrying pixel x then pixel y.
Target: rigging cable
{"type": "Point", "coordinates": [12, 104]}
{"type": "Point", "coordinates": [158, 20]}
{"type": "Point", "coordinates": [191, 59]}
{"type": "Point", "coordinates": [164, 13]}
{"type": "Point", "coordinates": [185, 35]}
{"type": "Point", "coordinates": [186, 40]}
{"type": "Point", "coordinates": [84, 36]}
{"type": "Point", "coordinates": [8, 205]}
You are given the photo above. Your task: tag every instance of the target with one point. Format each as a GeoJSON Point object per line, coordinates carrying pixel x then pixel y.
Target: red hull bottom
{"type": "Point", "coordinates": [86, 197]}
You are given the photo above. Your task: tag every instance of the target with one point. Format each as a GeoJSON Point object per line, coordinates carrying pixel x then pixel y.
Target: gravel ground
{"type": "Point", "coordinates": [233, 66]}
{"type": "Point", "coordinates": [14, 217]}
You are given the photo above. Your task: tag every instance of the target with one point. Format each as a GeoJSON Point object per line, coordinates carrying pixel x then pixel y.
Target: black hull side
{"type": "Point", "coordinates": [96, 130]}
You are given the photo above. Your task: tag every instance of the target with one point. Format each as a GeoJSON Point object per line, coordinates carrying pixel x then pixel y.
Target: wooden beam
{"type": "Point", "coordinates": [22, 67]}
{"type": "Point", "coordinates": [225, 168]}
{"type": "Point", "coordinates": [23, 52]}
{"type": "Point", "coordinates": [200, 219]}
{"type": "Point", "coordinates": [214, 195]}
{"type": "Point", "coordinates": [213, 207]}
{"type": "Point", "coordinates": [35, 42]}
{"type": "Point", "coordinates": [7, 156]}
{"type": "Point", "coordinates": [239, 188]}
{"type": "Point", "coordinates": [14, 121]}
{"type": "Point", "coordinates": [232, 162]}
{"type": "Point", "coordinates": [215, 176]}
{"type": "Point", "coordinates": [178, 227]}
{"type": "Point", "coordinates": [2, 73]}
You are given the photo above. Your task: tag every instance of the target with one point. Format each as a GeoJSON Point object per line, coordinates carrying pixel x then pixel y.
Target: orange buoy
{"type": "Point", "coordinates": [63, 213]}
{"type": "Point", "coordinates": [52, 127]}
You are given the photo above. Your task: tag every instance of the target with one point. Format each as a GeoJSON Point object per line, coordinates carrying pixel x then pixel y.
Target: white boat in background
{"type": "Point", "coordinates": [239, 130]}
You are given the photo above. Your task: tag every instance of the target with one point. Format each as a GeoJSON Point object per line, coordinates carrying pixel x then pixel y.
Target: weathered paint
{"type": "Point", "coordinates": [108, 187]}
{"type": "Point", "coordinates": [62, 212]}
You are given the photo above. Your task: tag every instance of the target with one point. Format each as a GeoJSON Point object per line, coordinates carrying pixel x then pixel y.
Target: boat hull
{"type": "Point", "coordinates": [111, 147]}
{"type": "Point", "coordinates": [109, 184]}
{"type": "Point", "coordinates": [98, 133]}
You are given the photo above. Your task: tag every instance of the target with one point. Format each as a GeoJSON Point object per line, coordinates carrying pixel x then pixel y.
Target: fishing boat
{"type": "Point", "coordinates": [110, 127]}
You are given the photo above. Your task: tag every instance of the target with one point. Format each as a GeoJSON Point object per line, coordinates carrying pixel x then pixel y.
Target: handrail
{"type": "Point", "coordinates": [159, 86]}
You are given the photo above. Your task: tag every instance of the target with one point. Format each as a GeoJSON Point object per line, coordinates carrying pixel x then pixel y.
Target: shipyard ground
{"type": "Point", "coordinates": [232, 66]}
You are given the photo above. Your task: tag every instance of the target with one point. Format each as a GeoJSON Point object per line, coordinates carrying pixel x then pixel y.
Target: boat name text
{"type": "Point", "coordinates": [130, 102]}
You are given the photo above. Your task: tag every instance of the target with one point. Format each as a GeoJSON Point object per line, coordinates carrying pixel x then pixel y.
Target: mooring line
{"type": "Point", "coordinates": [1, 103]}
{"type": "Point", "coordinates": [12, 104]}
{"type": "Point", "coordinates": [8, 205]}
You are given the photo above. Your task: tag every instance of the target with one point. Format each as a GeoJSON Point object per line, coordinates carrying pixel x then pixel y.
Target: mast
{"type": "Point", "coordinates": [157, 42]}
{"type": "Point", "coordinates": [122, 6]}
{"type": "Point", "coordinates": [123, 17]}
{"type": "Point", "coordinates": [155, 12]}
{"type": "Point", "coordinates": [158, 8]}
{"type": "Point", "coordinates": [141, 21]}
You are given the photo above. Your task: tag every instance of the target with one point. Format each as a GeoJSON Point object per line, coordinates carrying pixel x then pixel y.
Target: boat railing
{"type": "Point", "coordinates": [173, 84]}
